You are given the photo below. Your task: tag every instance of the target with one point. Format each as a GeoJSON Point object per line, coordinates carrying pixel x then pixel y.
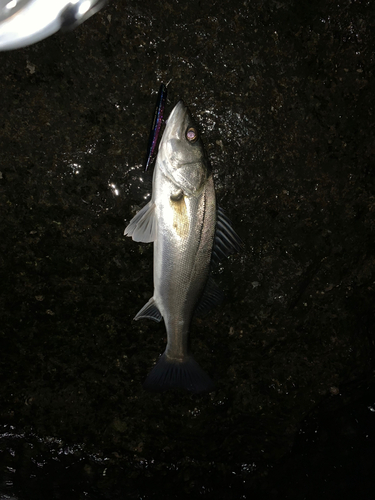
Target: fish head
{"type": "Point", "coordinates": [181, 153]}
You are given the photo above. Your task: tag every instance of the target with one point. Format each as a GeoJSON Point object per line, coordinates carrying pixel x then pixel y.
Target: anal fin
{"type": "Point", "coordinates": [149, 311]}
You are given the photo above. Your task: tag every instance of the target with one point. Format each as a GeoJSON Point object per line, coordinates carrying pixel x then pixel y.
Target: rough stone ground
{"type": "Point", "coordinates": [283, 94]}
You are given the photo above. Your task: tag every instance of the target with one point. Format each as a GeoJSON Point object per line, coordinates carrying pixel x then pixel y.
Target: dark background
{"type": "Point", "coordinates": [283, 94]}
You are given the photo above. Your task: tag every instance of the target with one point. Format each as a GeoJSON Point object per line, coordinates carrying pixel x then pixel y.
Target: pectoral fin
{"type": "Point", "coordinates": [142, 227]}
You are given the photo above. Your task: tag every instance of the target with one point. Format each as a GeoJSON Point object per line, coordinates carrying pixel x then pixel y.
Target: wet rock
{"type": "Point", "coordinates": [282, 94]}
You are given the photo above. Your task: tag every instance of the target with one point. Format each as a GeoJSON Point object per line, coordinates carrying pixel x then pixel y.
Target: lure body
{"type": "Point", "coordinates": [156, 124]}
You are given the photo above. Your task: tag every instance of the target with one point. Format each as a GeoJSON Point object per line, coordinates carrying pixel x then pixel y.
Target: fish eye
{"type": "Point", "coordinates": [191, 134]}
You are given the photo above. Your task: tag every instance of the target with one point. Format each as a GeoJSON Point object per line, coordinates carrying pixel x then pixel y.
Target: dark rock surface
{"type": "Point", "coordinates": [283, 93]}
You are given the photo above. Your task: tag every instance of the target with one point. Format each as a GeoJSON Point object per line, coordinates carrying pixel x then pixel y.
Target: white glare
{"type": "Point", "coordinates": [11, 4]}
{"type": "Point", "coordinates": [84, 7]}
{"type": "Point", "coordinates": [37, 20]}
{"type": "Point", "coordinates": [75, 167]}
{"type": "Point", "coordinates": [114, 189]}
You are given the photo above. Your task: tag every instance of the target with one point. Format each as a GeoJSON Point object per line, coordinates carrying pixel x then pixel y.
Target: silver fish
{"type": "Point", "coordinates": [190, 235]}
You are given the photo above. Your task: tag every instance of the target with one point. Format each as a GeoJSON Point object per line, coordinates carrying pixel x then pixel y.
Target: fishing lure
{"type": "Point", "coordinates": [156, 123]}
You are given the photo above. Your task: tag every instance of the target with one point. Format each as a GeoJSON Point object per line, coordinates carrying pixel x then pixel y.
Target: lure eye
{"type": "Point", "coordinates": [191, 134]}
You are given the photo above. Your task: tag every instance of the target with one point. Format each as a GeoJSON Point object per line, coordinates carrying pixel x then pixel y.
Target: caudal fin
{"type": "Point", "coordinates": [172, 374]}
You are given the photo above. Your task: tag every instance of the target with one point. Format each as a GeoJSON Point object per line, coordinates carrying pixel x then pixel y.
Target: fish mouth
{"type": "Point", "coordinates": [175, 121]}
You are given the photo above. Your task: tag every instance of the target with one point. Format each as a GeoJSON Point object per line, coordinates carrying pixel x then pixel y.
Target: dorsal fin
{"type": "Point", "coordinates": [226, 241]}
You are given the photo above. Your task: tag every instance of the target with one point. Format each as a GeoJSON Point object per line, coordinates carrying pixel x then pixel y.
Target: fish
{"type": "Point", "coordinates": [156, 123]}
{"type": "Point", "coordinates": [190, 235]}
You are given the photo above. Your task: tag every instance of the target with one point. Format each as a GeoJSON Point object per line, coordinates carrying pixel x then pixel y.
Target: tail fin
{"type": "Point", "coordinates": [172, 374]}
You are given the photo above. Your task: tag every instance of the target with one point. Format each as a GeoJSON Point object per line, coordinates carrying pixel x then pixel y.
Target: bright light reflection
{"type": "Point", "coordinates": [114, 189]}
{"type": "Point", "coordinates": [75, 167]}
{"type": "Point", "coordinates": [37, 20]}
{"type": "Point", "coordinates": [11, 4]}
{"type": "Point", "coordinates": [84, 7]}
